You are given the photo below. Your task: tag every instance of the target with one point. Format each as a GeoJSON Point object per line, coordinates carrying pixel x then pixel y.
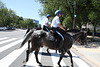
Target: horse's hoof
{"type": "Point", "coordinates": [72, 66]}
{"type": "Point", "coordinates": [40, 64]}
{"type": "Point", "coordinates": [24, 61]}
{"type": "Point", "coordinates": [59, 65]}
{"type": "Point", "coordinates": [23, 65]}
{"type": "Point", "coordinates": [48, 52]}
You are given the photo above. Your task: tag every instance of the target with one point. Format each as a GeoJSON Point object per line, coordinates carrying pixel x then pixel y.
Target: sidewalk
{"type": "Point", "coordinates": [92, 55]}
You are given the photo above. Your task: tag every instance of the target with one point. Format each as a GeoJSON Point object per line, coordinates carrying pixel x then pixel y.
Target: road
{"type": "Point", "coordinates": [10, 56]}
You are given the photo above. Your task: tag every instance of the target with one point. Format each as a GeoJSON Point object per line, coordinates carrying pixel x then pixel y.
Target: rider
{"type": "Point", "coordinates": [46, 25]}
{"type": "Point", "coordinates": [56, 26]}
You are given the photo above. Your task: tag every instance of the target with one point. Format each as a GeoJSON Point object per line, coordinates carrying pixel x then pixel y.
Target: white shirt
{"type": "Point", "coordinates": [55, 22]}
{"type": "Point", "coordinates": [46, 21]}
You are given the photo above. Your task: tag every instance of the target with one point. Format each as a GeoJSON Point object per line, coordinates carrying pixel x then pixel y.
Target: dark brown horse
{"type": "Point", "coordinates": [82, 39]}
{"type": "Point", "coordinates": [40, 38]}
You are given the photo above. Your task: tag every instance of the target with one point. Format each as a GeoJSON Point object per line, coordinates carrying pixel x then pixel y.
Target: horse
{"type": "Point", "coordinates": [81, 39]}
{"type": "Point", "coordinates": [40, 38]}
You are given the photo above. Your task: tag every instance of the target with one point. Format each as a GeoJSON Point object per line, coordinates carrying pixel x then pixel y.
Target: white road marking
{"type": "Point", "coordinates": [55, 58]}
{"type": "Point", "coordinates": [32, 60]}
{"type": "Point", "coordinates": [7, 40]}
{"type": "Point", "coordinates": [10, 58]}
{"type": "Point", "coordinates": [9, 45]}
{"type": "Point", "coordinates": [4, 38]}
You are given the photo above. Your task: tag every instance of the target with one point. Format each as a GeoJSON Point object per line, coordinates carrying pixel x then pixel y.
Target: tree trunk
{"type": "Point", "coordinates": [94, 30]}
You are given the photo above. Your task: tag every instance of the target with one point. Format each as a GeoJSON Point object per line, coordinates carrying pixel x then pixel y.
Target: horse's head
{"type": "Point", "coordinates": [83, 38]}
{"type": "Point", "coordinates": [79, 36]}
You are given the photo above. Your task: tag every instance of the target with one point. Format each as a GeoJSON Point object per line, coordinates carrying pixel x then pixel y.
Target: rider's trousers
{"type": "Point", "coordinates": [56, 30]}
{"type": "Point", "coordinates": [46, 28]}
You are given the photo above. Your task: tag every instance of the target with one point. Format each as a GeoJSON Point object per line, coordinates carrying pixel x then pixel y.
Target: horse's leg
{"type": "Point", "coordinates": [36, 56]}
{"type": "Point", "coordinates": [48, 50]}
{"type": "Point", "coordinates": [28, 51]}
{"type": "Point", "coordinates": [61, 56]}
{"type": "Point", "coordinates": [56, 51]}
{"type": "Point", "coordinates": [70, 57]}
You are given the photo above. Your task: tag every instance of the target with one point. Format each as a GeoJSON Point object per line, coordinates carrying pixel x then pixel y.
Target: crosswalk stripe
{"type": "Point", "coordinates": [32, 60]}
{"type": "Point", "coordinates": [4, 38]}
{"type": "Point", "coordinates": [7, 40]}
{"type": "Point", "coordinates": [10, 45]}
{"type": "Point", "coordinates": [55, 58]}
{"type": "Point", "coordinates": [10, 58]}
{"type": "Point", "coordinates": [78, 61]}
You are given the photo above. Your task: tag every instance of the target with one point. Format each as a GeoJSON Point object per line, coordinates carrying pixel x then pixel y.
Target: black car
{"type": "Point", "coordinates": [11, 28]}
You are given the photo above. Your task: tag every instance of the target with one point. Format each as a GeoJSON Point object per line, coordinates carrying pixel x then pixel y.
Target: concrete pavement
{"type": "Point", "coordinates": [90, 55]}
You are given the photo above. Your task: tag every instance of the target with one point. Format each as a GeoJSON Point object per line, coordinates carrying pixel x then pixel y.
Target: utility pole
{"type": "Point", "coordinates": [74, 14]}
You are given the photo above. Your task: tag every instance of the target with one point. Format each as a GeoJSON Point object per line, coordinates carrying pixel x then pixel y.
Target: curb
{"type": "Point", "coordinates": [85, 58]}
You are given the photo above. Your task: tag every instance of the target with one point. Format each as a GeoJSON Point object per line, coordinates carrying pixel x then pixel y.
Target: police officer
{"type": "Point", "coordinates": [46, 25]}
{"type": "Point", "coordinates": [55, 27]}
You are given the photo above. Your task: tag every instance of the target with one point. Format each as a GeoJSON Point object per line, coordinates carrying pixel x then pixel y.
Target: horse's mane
{"type": "Point", "coordinates": [73, 30]}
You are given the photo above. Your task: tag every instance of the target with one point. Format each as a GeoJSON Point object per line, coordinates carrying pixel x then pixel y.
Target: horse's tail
{"type": "Point", "coordinates": [27, 32]}
{"type": "Point", "coordinates": [27, 38]}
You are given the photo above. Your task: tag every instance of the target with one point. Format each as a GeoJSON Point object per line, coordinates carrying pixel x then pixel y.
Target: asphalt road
{"type": "Point", "coordinates": [12, 57]}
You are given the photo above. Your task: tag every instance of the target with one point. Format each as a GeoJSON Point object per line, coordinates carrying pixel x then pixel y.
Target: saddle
{"type": "Point", "coordinates": [55, 38]}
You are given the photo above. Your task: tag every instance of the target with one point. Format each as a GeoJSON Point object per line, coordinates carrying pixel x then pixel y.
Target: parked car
{"type": "Point", "coordinates": [11, 28]}
{"type": "Point", "coordinates": [3, 28]}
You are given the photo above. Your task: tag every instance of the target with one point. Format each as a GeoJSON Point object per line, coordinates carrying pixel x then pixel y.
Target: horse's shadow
{"type": "Point", "coordinates": [55, 54]}
{"type": "Point", "coordinates": [49, 54]}
{"type": "Point", "coordinates": [35, 66]}
{"type": "Point", "coordinates": [41, 66]}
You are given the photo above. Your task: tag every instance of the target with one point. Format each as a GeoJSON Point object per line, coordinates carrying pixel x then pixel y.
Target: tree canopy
{"type": "Point", "coordinates": [87, 11]}
{"type": "Point", "coordinates": [9, 18]}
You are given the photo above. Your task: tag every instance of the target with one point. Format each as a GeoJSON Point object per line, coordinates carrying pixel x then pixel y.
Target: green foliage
{"type": "Point", "coordinates": [84, 10]}
{"type": "Point", "coordinates": [30, 23]}
{"type": "Point", "coordinates": [9, 18]}
{"type": "Point", "coordinates": [94, 14]}
{"type": "Point", "coordinates": [67, 21]}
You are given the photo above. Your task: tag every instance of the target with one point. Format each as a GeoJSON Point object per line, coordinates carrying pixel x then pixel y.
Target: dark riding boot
{"type": "Point", "coordinates": [61, 49]}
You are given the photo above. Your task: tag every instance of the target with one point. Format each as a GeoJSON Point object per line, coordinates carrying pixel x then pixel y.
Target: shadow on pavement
{"type": "Point", "coordinates": [40, 66]}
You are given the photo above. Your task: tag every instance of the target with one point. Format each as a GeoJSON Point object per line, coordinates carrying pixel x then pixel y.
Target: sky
{"type": "Point", "coordinates": [25, 8]}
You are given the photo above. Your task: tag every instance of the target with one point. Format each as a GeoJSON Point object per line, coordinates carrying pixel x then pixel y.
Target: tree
{"type": "Point", "coordinates": [12, 18]}
{"type": "Point", "coordinates": [94, 15]}
{"type": "Point", "coordinates": [67, 7]}
{"type": "Point", "coordinates": [7, 16]}
{"type": "Point", "coordinates": [68, 22]}
{"type": "Point", "coordinates": [27, 23]}
{"type": "Point", "coordinates": [18, 21]}
{"type": "Point", "coordinates": [30, 23]}
{"type": "Point", "coordinates": [3, 12]}
{"type": "Point", "coordinates": [3, 16]}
